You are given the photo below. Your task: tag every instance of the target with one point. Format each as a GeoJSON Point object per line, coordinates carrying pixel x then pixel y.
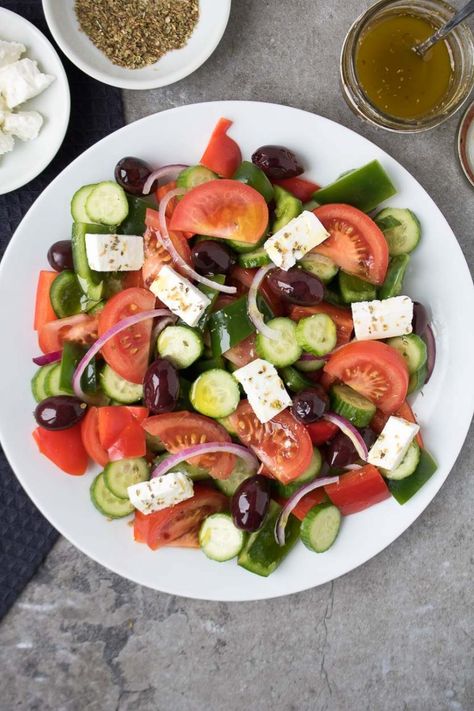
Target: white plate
{"type": "Point", "coordinates": [327, 149]}
{"type": "Point", "coordinates": [76, 45]}
{"type": "Point", "coordinates": [29, 158]}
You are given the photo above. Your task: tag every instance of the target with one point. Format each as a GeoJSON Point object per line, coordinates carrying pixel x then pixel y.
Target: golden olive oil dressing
{"type": "Point", "coordinates": [394, 78]}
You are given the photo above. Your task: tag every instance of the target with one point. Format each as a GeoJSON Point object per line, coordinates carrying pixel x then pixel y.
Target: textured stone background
{"type": "Point", "coordinates": [394, 635]}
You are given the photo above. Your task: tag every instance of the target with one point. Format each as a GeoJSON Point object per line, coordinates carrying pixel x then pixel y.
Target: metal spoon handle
{"type": "Point", "coordinates": [464, 12]}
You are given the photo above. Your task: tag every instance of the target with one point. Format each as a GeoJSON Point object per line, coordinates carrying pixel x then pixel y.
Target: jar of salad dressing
{"type": "Point", "coordinates": [387, 83]}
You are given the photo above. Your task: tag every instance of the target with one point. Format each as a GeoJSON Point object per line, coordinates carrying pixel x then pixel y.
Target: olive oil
{"type": "Point", "coordinates": [394, 78]}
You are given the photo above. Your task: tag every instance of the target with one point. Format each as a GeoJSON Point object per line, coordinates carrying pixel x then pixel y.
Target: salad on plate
{"type": "Point", "coordinates": [230, 343]}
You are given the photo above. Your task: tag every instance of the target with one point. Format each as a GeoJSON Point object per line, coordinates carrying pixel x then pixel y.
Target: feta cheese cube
{"type": "Point", "coordinates": [4, 110]}
{"type": "Point", "coordinates": [10, 52]}
{"type": "Point", "coordinates": [24, 124]}
{"type": "Point", "coordinates": [264, 389]}
{"type": "Point", "coordinates": [21, 81]}
{"type": "Point", "coordinates": [181, 297]}
{"type": "Point", "coordinates": [293, 241]}
{"type": "Point", "coordinates": [382, 319]}
{"type": "Point", "coordinates": [161, 492]}
{"type": "Point", "coordinates": [6, 143]}
{"type": "Point", "coordinates": [392, 444]}
{"type": "Point", "coordinates": [114, 253]}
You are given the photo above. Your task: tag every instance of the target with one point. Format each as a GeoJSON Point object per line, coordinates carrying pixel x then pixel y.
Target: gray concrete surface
{"type": "Point", "coordinates": [394, 635]}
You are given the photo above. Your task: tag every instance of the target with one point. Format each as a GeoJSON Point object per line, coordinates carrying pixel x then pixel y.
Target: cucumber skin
{"type": "Point", "coordinates": [354, 289]}
{"type": "Point", "coordinates": [394, 247]}
{"type": "Point", "coordinates": [204, 546]}
{"type": "Point", "coordinates": [398, 344]}
{"type": "Point", "coordinates": [358, 416]}
{"type": "Point", "coordinates": [308, 522]}
{"type": "Point", "coordinates": [91, 282]}
{"type": "Point", "coordinates": [287, 207]}
{"type": "Point", "coordinates": [96, 485]}
{"type": "Point", "coordinates": [78, 203]}
{"type": "Point", "coordinates": [414, 452]}
{"type": "Point", "coordinates": [38, 382]}
{"type": "Point", "coordinates": [257, 258]}
{"type": "Point", "coordinates": [404, 489]}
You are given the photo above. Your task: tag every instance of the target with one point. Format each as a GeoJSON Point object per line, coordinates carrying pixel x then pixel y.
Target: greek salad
{"type": "Point", "coordinates": [231, 344]}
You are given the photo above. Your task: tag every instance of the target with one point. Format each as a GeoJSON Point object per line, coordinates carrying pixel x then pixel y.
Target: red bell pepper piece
{"type": "Point", "coordinates": [357, 490]}
{"type": "Point", "coordinates": [64, 448]}
{"type": "Point", "coordinates": [44, 312]}
{"type": "Point", "coordinates": [222, 154]}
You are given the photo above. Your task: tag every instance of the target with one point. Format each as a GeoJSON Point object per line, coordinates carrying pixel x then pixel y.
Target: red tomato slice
{"type": "Point", "coordinates": [307, 502]}
{"type": "Point", "coordinates": [163, 527]}
{"type": "Point", "coordinates": [128, 352]}
{"type": "Point", "coordinates": [341, 316]}
{"type": "Point", "coordinates": [132, 279]}
{"type": "Point", "coordinates": [90, 437]}
{"type": "Point", "coordinates": [161, 193]}
{"type": "Point", "coordinates": [299, 187]}
{"type": "Point", "coordinates": [44, 312]}
{"type": "Point", "coordinates": [243, 353]}
{"type": "Point", "coordinates": [222, 208]}
{"type": "Point", "coordinates": [156, 255]}
{"type": "Point", "coordinates": [188, 540]}
{"type": "Point", "coordinates": [130, 443]}
{"type": "Point", "coordinates": [357, 490]}
{"type": "Point", "coordinates": [321, 431]}
{"type": "Point", "coordinates": [82, 329]}
{"type": "Point", "coordinates": [379, 420]}
{"type": "Point", "coordinates": [355, 244]}
{"type": "Point", "coordinates": [64, 448]}
{"type": "Point", "coordinates": [374, 370]}
{"type": "Point", "coordinates": [178, 430]}
{"type": "Point", "coordinates": [282, 444]}
{"type": "Point", "coordinates": [120, 431]}
{"type": "Point", "coordinates": [222, 154]}
{"type": "Point", "coordinates": [243, 278]}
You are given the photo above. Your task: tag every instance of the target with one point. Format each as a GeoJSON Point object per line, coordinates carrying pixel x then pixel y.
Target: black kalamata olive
{"type": "Point", "coordinates": [211, 257]}
{"type": "Point", "coordinates": [420, 318]}
{"type": "Point", "coordinates": [296, 286]}
{"type": "Point", "coordinates": [277, 162]}
{"type": "Point", "coordinates": [250, 503]}
{"type": "Point", "coordinates": [309, 405]}
{"type": "Point", "coordinates": [340, 451]}
{"type": "Point", "coordinates": [60, 255]}
{"type": "Point", "coordinates": [132, 173]}
{"type": "Point", "coordinates": [161, 386]}
{"type": "Point", "coordinates": [59, 412]}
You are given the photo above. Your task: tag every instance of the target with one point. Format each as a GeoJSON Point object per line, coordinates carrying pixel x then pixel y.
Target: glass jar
{"type": "Point", "coordinates": [461, 47]}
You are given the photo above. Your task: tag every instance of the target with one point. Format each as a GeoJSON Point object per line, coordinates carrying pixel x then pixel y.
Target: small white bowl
{"type": "Point", "coordinates": [30, 158]}
{"type": "Point", "coordinates": [76, 45]}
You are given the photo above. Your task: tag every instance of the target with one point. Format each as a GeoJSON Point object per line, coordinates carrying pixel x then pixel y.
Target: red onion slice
{"type": "Point", "coordinates": [48, 358]}
{"type": "Point", "coordinates": [292, 502]}
{"type": "Point", "coordinates": [255, 315]}
{"type": "Point", "coordinates": [175, 255]}
{"type": "Point", "coordinates": [352, 467]}
{"type": "Point", "coordinates": [350, 431]}
{"type": "Point", "coordinates": [430, 341]}
{"type": "Point", "coordinates": [207, 448]}
{"type": "Point", "coordinates": [170, 171]}
{"type": "Point", "coordinates": [95, 348]}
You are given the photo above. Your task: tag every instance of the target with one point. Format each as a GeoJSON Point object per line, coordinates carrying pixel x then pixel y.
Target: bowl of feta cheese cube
{"type": "Point", "coordinates": [34, 101]}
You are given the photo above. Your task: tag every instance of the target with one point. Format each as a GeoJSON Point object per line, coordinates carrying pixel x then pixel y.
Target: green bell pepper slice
{"type": "Point", "coordinates": [393, 283]}
{"type": "Point", "coordinates": [250, 174]}
{"type": "Point", "coordinates": [211, 294]}
{"type": "Point", "coordinates": [72, 354]}
{"type": "Point", "coordinates": [231, 325]}
{"type": "Point", "coordinates": [404, 489]}
{"type": "Point", "coordinates": [364, 187]}
{"type": "Point", "coordinates": [134, 223]}
{"type": "Point", "coordinates": [91, 282]}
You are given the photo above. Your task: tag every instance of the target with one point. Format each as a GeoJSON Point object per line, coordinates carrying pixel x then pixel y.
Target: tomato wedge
{"type": "Point", "coordinates": [82, 329]}
{"type": "Point", "coordinates": [341, 316]}
{"type": "Point", "coordinates": [163, 527]}
{"type": "Point", "coordinates": [188, 540]}
{"type": "Point", "coordinates": [178, 430]}
{"type": "Point", "coordinates": [90, 437]}
{"type": "Point", "coordinates": [355, 244]}
{"type": "Point", "coordinates": [379, 420]}
{"type": "Point", "coordinates": [156, 255]}
{"type": "Point", "coordinates": [64, 448]}
{"type": "Point", "coordinates": [128, 352]}
{"type": "Point", "coordinates": [120, 431]}
{"type": "Point", "coordinates": [357, 490]}
{"type": "Point", "coordinates": [222, 154]}
{"type": "Point", "coordinates": [222, 208]}
{"type": "Point", "coordinates": [44, 312]}
{"type": "Point", "coordinates": [161, 193]}
{"type": "Point", "coordinates": [243, 353]}
{"type": "Point", "coordinates": [374, 370]}
{"type": "Point", "coordinates": [299, 187]}
{"type": "Point", "coordinates": [282, 444]}
{"type": "Point", "coordinates": [321, 431]}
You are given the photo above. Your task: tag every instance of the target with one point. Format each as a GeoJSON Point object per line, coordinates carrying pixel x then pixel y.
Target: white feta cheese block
{"type": "Point", "coordinates": [392, 444]}
{"type": "Point", "coordinates": [382, 319]}
{"type": "Point", "coordinates": [114, 253]}
{"type": "Point", "coordinates": [264, 389]}
{"type": "Point", "coordinates": [293, 241]}
{"type": "Point", "coordinates": [4, 110]}
{"type": "Point", "coordinates": [10, 52]}
{"type": "Point", "coordinates": [181, 297]}
{"type": "Point", "coordinates": [24, 124]}
{"type": "Point", "coordinates": [7, 143]}
{"type": "Point", "coordinates": [161, 492]}
{"type": "Point", "coordinates": [21, 81]}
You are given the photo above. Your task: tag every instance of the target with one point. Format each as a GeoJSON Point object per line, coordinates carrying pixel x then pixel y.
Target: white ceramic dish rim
{"type": "Point", "coordinates": [410, 512]}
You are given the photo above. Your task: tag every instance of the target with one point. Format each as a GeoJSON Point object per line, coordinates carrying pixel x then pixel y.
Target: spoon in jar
{"type": "Point", "coordinates": [440, 34]}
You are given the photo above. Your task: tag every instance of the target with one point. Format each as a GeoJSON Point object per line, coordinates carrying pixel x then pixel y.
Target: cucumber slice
{"type": "Point", "coordinates": [181, 345]}
{"type": "Point", "coordinates": [283, 351]}
{"type": "Point", "coordinates": [407, 466]}
{"type": "Point", "coordinates": [240, 473]}
{"type": "Point", "coordinates": [118, 476]}
{"type": "Point", "coordinates": [309, 366]}
{"type": "Point", "coordinates": [287, 490]}
{"type": "Point", "coordinates": [78, 203]}
{"type": "Point", "coordinates": [107, 503]}
{"type": "Point", "coordinates": [67, 297]}
{"type": "Point", "coordinates": [38, 382]}
{"type": "Point", "coordinates": [393, 283]}
{"type": "Point", "coordinates": [293, 380]}
{"type": "Point", "coordinates": [412, 349]}
{"type": "Point", "coordinates": [119, 389]}
{"type": "Point", "coordinates": [403, 237]}
{"type": "Point", "coordinates": [320, 527]}
{"type": "Point", "coordinates": [193, 472]}
{"type": "Point", "coordinates": [257, 258]}
{"type": "Point", "coordinates": [215, 393]}
{"type": "Point", "coordinates": [319, 265]}
{"type": "Point", "coordinates": [354, 289]}
{"type": "Point", "coordinates": [286, 208]}
{"type": "Point", "coordinates": [107, 204]}
{"type": "Point", "coordinates": [404, 489]}
{"type": "Point", "coordinates": [91, 282]}
{"type": "Point", "coordinates": [261, 553]}
{"type": "Point", "coordinates": [245, 247]}
{"type": "Point", "coordinates": [316, 334]}
{"type": "Point", "coordinates": [349, 404]}
{"type": "Point", "coordinates": [193, 176]}
{"type": "Point", "coordinates": [52, 382]}
{"type": "Point", "coordinates": [219, 537]}
{"type": "Point", "coordinates": [417, 380]}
